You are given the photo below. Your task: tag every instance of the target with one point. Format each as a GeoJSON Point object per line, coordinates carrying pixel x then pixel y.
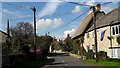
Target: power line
{"type": "Point", "coordinates": [75, 3]}
{"type": "Point", "coordinates": [70, 21]}
{"type": "Point", "coordinates": [23, 6]}
{"type": "Point", "coordinates": [84, 4]}
{"type": "Point", "coordinates": [17, 18]}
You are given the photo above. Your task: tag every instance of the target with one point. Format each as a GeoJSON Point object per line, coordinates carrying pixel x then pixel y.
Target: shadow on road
{"type": "Point", "coordinates": [57, 54]}
{"type": "Point", "coordinates": [51, 61]}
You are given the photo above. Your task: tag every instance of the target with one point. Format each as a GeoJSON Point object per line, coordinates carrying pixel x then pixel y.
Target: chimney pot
{"type": "Point", "coordinates": [98, 7]}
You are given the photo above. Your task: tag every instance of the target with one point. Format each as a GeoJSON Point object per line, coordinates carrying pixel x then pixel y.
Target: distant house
{"type": "Point", "coordinates": [3, 36]}
{"type": "Point", "coordinates": [107, 25]}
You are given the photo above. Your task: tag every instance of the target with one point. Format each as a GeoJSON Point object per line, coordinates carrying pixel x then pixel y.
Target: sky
{"type": "Point", "coordinates": [50, 15]}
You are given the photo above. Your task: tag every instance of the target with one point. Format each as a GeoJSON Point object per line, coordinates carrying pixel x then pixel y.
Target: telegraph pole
{"type": "Point", "coordinates": [34, 10]}
{"type": "Point", "coordinates": [8, 34]}
{"type": "Point", "coordinates": [95, 39]}
{"type": "Point", "coordinates": [8, 31]}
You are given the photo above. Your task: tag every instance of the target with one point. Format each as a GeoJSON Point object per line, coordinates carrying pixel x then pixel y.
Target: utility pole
{"type": "Point", "coordinates": [95, 39]}
{"type": "Point", "coordinates": [8, 34]}
{"type": "Point", "coordinates": [8, 31]}
{"type": "Point", "coordinates": [34, 10]}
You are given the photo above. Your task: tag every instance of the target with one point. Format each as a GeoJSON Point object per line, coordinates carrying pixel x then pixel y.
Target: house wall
{"type": "Point", "coordinates": [102, 45]}
{"type": "Point", "coordinates": [2, 37]}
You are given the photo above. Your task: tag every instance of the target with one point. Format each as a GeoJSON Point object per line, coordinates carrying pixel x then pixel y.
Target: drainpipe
{"type": "Point", "coordinates": [111, 41]}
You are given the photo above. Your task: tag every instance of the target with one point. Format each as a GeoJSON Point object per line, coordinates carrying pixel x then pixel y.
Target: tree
{"type": "Point", "coordinates": [22, 35]}
{"type": "Point", "coordinates": [43, 43]}
{"type": "Point", "coordinates": [82, 50]}
{"type": "Point", "coordinates": [22, 29]}
{"type": "Point", "coordinates": [76, 46]}
{"type": "Point", "coordinates": [67, 44]}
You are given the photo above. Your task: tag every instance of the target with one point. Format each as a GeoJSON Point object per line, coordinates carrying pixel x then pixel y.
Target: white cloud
{"type": "Point", "coordinates": [115, 1]}
{"type": "Point", "coordinates": [49, 8]}
{"type": "Point", "coordinates": [69, 32]}
{"type": "Point", "coordinates": [77, 9]}
{"type": "Point", "coordinates": [15, 13]}
{"type": "Point", "coordinates": [65, 34]}
{"type": "Point", "coordinates": [62, 37]}
{"type": "Point", "coordinates": [91, 2]}
{"type": "Point", "coordinates": [106, 9]}
{"type": "Point", "coordinates": [49, 23]}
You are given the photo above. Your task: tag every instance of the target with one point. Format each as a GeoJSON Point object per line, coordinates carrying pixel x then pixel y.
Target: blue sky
{"type": "Point", "coordinates": [50, 15]}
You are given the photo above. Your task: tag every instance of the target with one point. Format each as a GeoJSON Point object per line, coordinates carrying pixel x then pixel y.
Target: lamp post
{"type": "Point", "coordinates": [34, 10]}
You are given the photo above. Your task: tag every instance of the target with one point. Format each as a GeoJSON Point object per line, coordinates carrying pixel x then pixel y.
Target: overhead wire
{"type": "Point", "coordinates": [16, 18]}
{"type": "Point", "coordinates": [84, 4]}
{"type": "Point", "coordinates": [23, 6]}
{"type": "Point", "coordinates": [70, 21]}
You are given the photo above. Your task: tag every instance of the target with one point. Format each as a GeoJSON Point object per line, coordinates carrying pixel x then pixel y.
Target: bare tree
{"type": "Point", "coordinates": [22, 29]}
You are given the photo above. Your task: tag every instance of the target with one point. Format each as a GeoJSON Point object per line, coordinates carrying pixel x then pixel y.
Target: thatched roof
{"type": "Point", "coordinates": [86, 23]}
{"type": "Point", "coordinates": [101, 20]}
{"type": "Point", "coordinates": [112, 17]}
{"type": "Point", "coordinates": [83, 25]}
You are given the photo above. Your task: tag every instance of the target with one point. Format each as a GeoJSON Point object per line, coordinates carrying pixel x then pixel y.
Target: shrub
{"type": "Point", "coordinates": [76, 46]}
{"type": "Point", "coordinates": [102, 55]}
{"type": "Point", "coordinates": [90, 54]}
{"type": "Point", "coordinates": [118, 40]}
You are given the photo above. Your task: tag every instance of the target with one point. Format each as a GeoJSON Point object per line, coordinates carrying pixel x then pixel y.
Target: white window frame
{"type": "Point", "coordinates": [115, 53]}
{"type": "Point", "coordinates": [115, 29]}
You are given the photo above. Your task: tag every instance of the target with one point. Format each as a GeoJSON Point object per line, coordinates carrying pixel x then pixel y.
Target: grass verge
{"type": "Point", "coordinates": [104, 64]}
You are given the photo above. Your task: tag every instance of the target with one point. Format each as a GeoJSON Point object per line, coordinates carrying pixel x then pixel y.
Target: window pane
{"type": "Point", "coordinates": [116, 29]}
{"type": "Point", "coordinates": [87, 35]}
{"type": "Point", "coordinates": [119, 29]}
{"type": "Point", "coordinates": [113, 31]}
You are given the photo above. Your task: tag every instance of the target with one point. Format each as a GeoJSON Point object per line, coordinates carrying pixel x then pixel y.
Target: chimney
{"type": "Point", "coordinates": [68, 35]}
{"type": "Point", "coordinates": [98, 7]}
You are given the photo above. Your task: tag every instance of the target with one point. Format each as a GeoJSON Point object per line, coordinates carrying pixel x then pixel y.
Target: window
{"type": "Point", "coordinates": [116, 30]}
{"type": "Point", "coordinates": [88, 47]}
{"type": "Point", "coordinates": [93, 34]}
{"type": "Point", "coordinates": [119, 29]}
{"type": "Point", "coordinates": [87, 35]}
{"type": "Point", "coordinates": [93, 48]}
{"type": "Point", "coordinates": [115, 52]}
{"type": "Point", "coordinates": [113, 31]}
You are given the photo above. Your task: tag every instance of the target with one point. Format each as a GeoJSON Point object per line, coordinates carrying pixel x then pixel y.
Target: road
{"type": "Point", "coordinates": [62, 60]}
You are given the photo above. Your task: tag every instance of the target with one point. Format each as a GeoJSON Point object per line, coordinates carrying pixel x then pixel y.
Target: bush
{"type": "Point", "coordinates": [76, 46]}
{"type": "Point", "coordinates": [4, 45]}
{"type": "Point", "coordinates": [114, 60]}
{"type": "Point", "coordinates": [118, 39]}
{"type": "Point", "coordinates": [102, 55]}
{"type": "Point", "coordinates": [90, 54]}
